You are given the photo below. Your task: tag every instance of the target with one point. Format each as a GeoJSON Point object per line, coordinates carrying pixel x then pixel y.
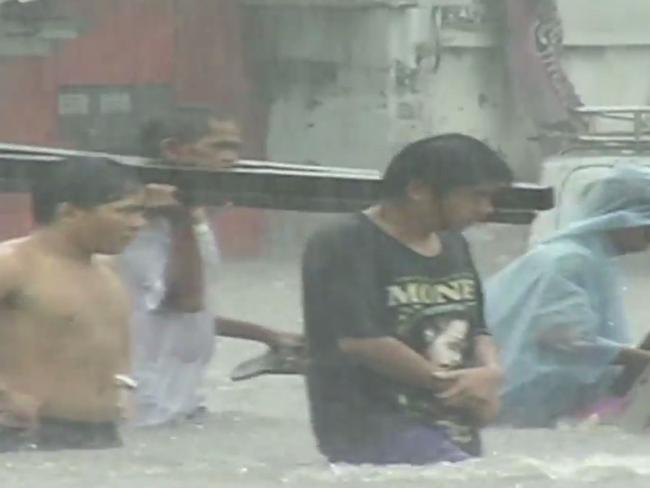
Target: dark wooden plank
{"type": "Point", "coordinates": [259, 184]}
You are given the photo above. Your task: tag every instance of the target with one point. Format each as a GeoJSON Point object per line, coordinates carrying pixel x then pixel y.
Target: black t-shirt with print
{"type": "Point", "coordinates": [359, 282]}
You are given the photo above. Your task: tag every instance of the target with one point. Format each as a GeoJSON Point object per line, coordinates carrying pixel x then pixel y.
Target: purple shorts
{"type": "Point", "coordinates": [415, 444]}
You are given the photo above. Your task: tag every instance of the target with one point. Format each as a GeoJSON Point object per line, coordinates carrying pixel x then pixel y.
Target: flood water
{"type": "Point", "coordinates": [257, 434]}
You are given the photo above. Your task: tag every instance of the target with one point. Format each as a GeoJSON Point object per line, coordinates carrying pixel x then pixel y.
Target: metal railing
{"type": "Point", "coordinates": [631, 134]}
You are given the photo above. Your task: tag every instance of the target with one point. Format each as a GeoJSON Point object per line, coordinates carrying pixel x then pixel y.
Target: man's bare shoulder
{"type": "Point", "coordinates": [105, 262]}
{"type": "Point", "coordinates": [107, 266]}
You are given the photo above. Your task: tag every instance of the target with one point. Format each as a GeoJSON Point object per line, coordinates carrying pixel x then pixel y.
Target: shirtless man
{"type": "Point", "coordinates": [64, 313]}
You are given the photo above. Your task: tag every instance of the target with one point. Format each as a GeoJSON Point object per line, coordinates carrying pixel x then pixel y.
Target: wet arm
{"type": "Point", "coordinates": [184, 273]}
{"type": "Point", "coordinates": [632, 357]}
{"type": "Point", "coordinates": [16, 407]}
{"type": "Point", "coordinates": [485, 349]}
{"type": "Point", "coordinates": [340, 280]}
{"type": "Point", "coordinates": [392, 358]}
{"type": "Point", "coordinates": [124, 365]}
{"type": "Point", "coordinates": [126, 306]}
{"type": "Point", "coordinates": [487, 354]}
{"type": "Point", "coordinates": [476, 390]}
{"type": "Point", "coordinates": [634, 362]}
{"type": "Point", "coordinates": [240, 329]}
{"type": "Point", "coordinates": [7, 283]}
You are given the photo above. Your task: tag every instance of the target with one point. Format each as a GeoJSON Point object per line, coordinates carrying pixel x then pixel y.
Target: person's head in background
{"type": "Point", "coordinates": [445, 182]}
{"type": "Point", "coordinates": [93, 204]}
{"type": "Point", "coordinates": [193, 136]}
{"type": "Point", "coordinates": [621, 202]}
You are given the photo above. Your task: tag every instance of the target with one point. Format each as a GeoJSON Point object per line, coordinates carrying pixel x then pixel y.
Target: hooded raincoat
{"type": "Point", "coordinates": [557, 314]}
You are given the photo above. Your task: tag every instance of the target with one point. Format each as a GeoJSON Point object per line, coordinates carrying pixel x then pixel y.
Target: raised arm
{"type": "Point", "coordinates": [184, 273]}
{"type": "Point", "coordinates": [339, 285]}
{"type": "Point", "coordinates": [183, 277]}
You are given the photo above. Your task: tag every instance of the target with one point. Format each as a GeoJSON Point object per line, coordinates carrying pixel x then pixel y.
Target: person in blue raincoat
{"type": "Point", "coordinates": [557, 314]}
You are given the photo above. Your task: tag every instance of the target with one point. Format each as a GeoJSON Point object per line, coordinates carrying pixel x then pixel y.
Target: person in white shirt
{"type": "Point", "coordinates": [171, 269]}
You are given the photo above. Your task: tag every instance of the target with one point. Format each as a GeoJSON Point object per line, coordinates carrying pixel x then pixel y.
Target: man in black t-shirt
{"type": "Point", "coordinates": [403, 369]}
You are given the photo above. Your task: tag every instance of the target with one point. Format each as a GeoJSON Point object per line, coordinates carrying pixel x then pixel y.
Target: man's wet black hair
{"type": "Point", "coordinates": [84, 182]}
{"type": "Point", "coordinates": [185, 125]}
{"type": "Point", "coordinates": [445, 162]}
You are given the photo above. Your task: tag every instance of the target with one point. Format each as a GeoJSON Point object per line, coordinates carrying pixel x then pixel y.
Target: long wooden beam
{"type": "Point", "coordinates": [259, 184]}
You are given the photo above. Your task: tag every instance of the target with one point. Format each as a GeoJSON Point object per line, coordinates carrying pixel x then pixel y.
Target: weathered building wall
{"type": "Point", "coordinates": [326, 76]}
{"type": "Point", "coordinates": [352, 85]}
{"type": "Point", "coordinates": [615, 75]}
{"type": "Point", "coordinates": [349, 86]}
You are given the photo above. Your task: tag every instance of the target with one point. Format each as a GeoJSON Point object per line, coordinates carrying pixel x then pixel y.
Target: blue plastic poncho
{"type": "Point", "coordinates": [557, 312]}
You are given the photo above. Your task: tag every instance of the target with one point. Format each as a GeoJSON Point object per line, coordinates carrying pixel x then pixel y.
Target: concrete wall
{"type": "Point", "coordinates": [606, 23]}
{"type": "Point", "coordinates": [608, 50]}
{"type": "Point", "coordinates": [329, 76]}
{"type": "Point", "coordinates": [376, 92]}
{"type": "Point", "coordinates": [350, 86]}
{"type": "Point", "coordinates": [615, 75]}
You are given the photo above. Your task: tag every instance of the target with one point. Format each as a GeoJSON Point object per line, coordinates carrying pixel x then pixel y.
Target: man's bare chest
{"type": "Point", "coordinates": [71, 303]}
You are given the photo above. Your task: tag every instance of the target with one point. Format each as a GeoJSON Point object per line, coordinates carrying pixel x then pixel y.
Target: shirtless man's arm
{"type": "Point", "coordinates": [17, 408]}
{"type": "Point", "coordinates": [122, 324]}
{"type": "Point", "coordinates": [123, 379]}
{"type": "Point", "coordinates": [111, 268]}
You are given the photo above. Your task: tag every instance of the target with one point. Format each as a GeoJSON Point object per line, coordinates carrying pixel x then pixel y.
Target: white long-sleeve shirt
{"type": "Point", "coordinates": [171, 350]}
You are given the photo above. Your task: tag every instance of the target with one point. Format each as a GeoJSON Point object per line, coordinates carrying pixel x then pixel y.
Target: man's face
{"type": "Point", "coordinates": [219, 148]}
{"type": "Point", "coordinates": [109, 228]}
{"type": "Point", "coordinates": [465, 206]}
